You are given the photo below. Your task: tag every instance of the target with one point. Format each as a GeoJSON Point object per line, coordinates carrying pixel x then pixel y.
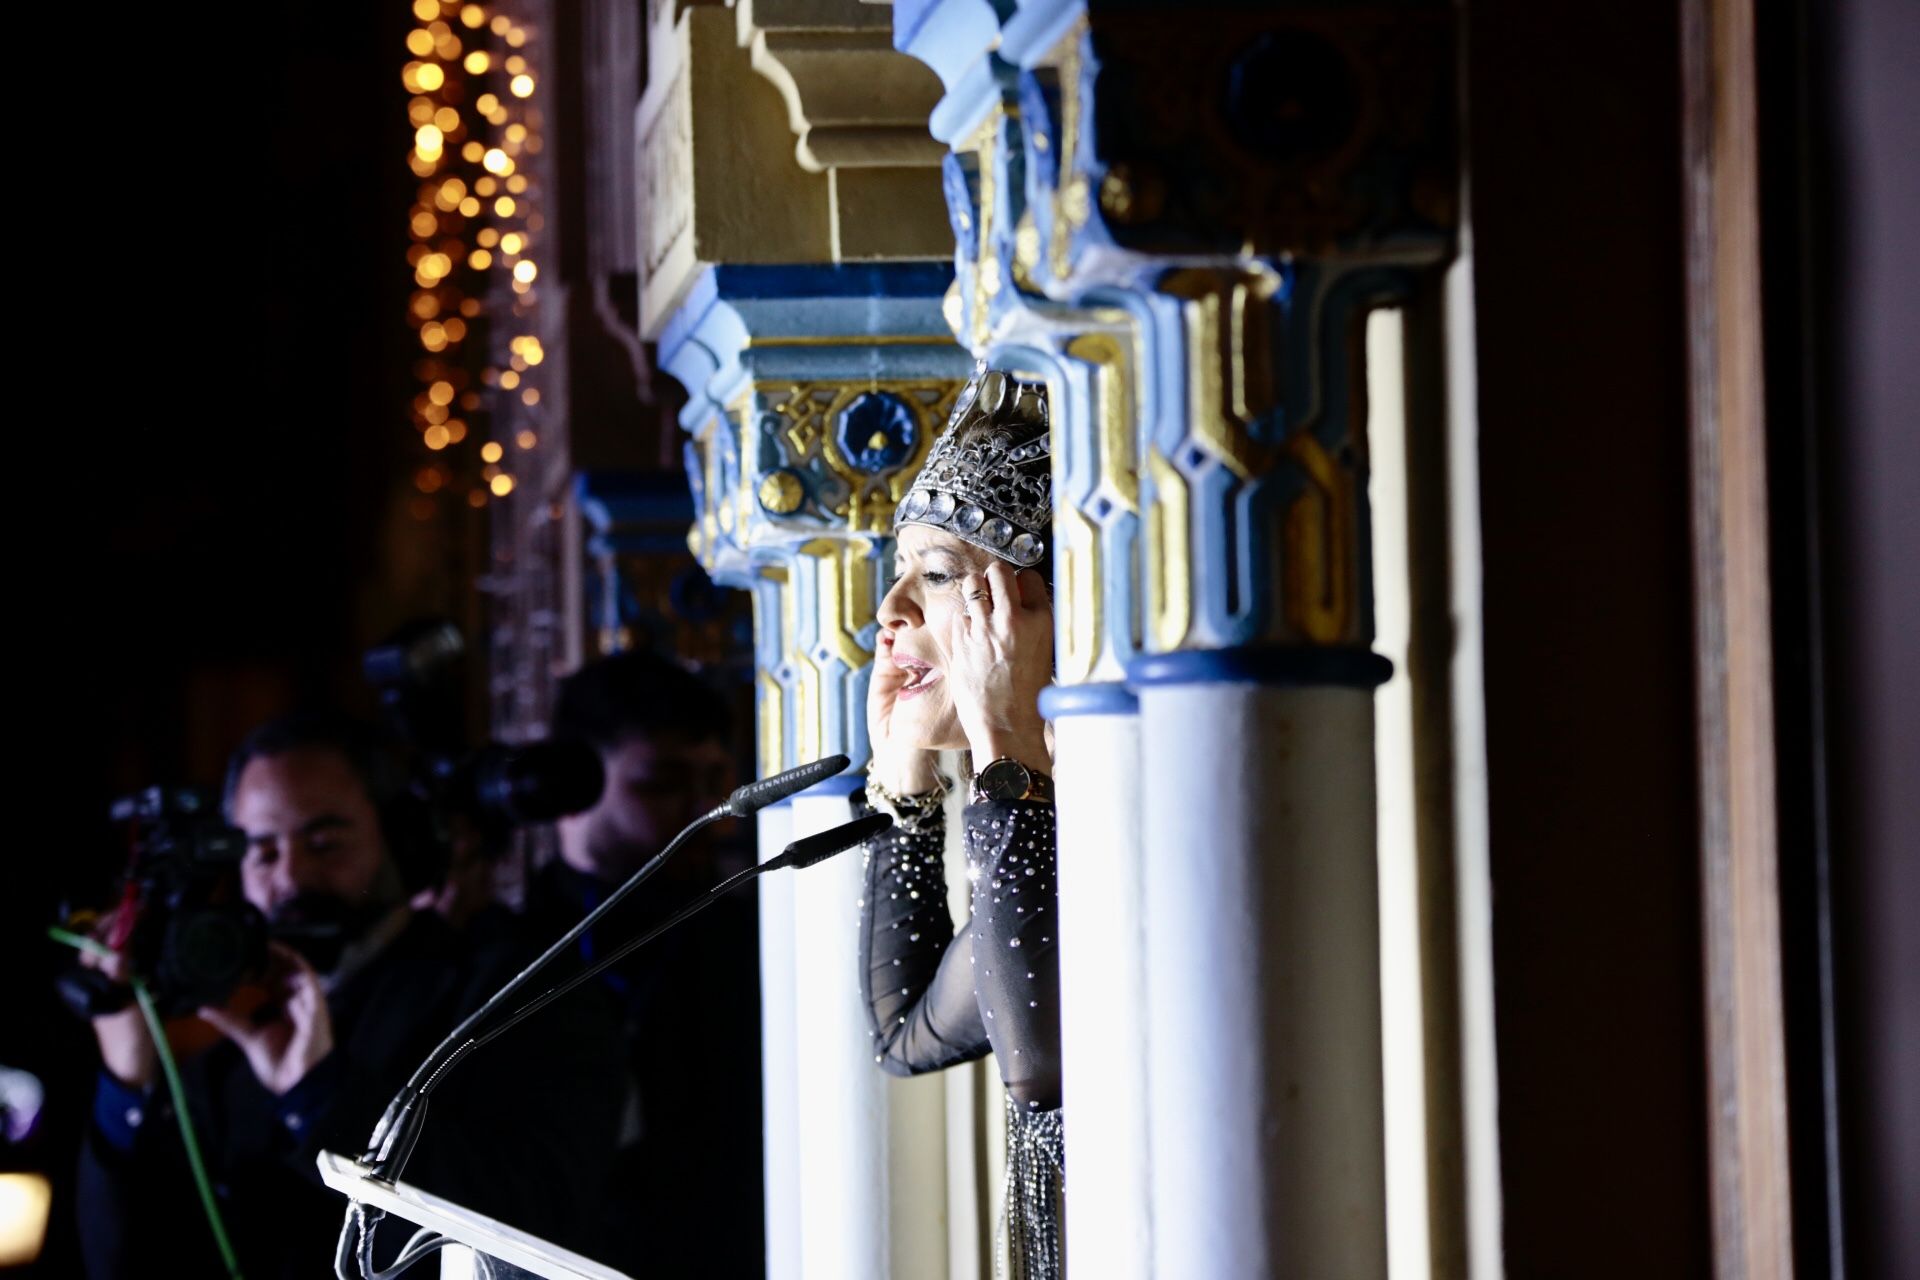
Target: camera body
{"type": "Point", "coordinates": [473, 792]}
{"type": "Point", "coordinates": [190, 934]}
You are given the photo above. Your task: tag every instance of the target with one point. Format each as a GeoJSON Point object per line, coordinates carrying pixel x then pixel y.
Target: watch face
{"type": "Point", "coordinates": [1005, 780]}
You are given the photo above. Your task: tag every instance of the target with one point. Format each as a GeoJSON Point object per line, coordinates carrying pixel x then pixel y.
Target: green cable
{"type": "Point", "coordinates": [177, 1091]}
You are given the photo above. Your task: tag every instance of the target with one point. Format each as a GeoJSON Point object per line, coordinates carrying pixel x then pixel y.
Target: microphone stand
{"type": "Point", "coordinates": [398, 1130]}
{"type": "Point", "coordinates": [399, 1127]}
{"type": "Point", "coordinates": [796, 856]}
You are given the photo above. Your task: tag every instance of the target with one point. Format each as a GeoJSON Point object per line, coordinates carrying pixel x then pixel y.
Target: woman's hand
{"type": "Point", "coordinates": [900, 768]}
{"type": "Point", "coordinates": [1001, 650]}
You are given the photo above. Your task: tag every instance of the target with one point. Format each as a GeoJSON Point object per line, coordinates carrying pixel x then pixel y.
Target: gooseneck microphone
{"type": "Point", "coordinates": [798, 856]}
{"type": "Point", "coordinates": [755, 796]}
{"type": "Point", "coordinates": [398, 1130]}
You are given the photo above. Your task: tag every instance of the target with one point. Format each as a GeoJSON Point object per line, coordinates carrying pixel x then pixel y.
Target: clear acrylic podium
{"type": "Point", "coordinates": [485, 1248]}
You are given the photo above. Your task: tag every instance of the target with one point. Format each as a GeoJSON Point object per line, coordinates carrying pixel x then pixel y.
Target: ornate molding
{"type": "Point", "coordinates": [780, 133]}
{"type": "Point", "coordinates": [852, 101]}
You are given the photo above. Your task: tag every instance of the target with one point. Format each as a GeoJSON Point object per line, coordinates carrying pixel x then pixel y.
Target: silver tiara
{"type": "Point", "coordinates": [989, 479]}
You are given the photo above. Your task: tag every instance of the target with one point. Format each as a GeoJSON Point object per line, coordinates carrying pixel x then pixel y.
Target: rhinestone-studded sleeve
{"type": "Point", "coordinates": [1010, 855]}
{"type": "Point", "coordinates": [916, 975]}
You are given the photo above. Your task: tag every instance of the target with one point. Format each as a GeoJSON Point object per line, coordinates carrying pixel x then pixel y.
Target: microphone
{"type": "Point", "coordinates": [804, 852]}
{"type": "Point", "coordinates": [399, 1128]}
{"type": "Point", "coordinates": [755, 796]}
{"type": "Point", "coordinates": [393, 1138]}
{"type": "Point", "coordinates": [807, 850]}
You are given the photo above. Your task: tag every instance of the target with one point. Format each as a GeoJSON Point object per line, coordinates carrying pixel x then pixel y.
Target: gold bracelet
{"type": "Point", "coordinates": [911, 811]}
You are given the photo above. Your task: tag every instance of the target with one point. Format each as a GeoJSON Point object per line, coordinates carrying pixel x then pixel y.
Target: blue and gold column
{"type": "Point", "coordinates": [1184, 214]}
{"type": "Point", "coordinates": [794, 261]}
{"type": "Point", "coordinates": [1086, 347]}
{"type": "Point", "coordinates": [806, 420]}
{"type": "Point", "coordinates": [1267, 179]}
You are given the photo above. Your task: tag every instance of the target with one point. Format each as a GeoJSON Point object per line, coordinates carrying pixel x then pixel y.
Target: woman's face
{"type": "Point", "coordinates": [916, 618]}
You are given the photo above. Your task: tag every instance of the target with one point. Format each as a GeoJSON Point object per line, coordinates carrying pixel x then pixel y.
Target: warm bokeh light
{"type": "Point", "coordinates": [26, 1201]}
{"type": "Point", "coordinates": [469, 152]}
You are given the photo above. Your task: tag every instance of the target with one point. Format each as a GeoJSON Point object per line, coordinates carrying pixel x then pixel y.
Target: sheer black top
{"type": "Point", "coordinates": [935, 999]}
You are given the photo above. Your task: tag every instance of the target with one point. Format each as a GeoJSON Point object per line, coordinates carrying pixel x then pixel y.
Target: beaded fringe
{"type": "Point", "coordinates": [1033, 1223]}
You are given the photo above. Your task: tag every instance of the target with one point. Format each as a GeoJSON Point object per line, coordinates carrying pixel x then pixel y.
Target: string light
{"type": "Point", "coordinates": [471, 86]}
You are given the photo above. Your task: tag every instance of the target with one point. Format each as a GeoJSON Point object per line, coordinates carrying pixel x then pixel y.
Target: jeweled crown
{"type": "Point", "coordinates": [989, 479]}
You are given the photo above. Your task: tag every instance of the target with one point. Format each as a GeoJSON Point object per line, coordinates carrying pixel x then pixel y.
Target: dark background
{"type": "Point", "coordinates": [220, 358]}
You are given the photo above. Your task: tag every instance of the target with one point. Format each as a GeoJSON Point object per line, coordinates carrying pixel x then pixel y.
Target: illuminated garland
{"type": "Point", "coordinates": [473, 223]}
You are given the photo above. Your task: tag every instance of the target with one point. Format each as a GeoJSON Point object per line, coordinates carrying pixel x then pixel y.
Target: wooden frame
{"type": "Point", "coordinates": [1733, 626]}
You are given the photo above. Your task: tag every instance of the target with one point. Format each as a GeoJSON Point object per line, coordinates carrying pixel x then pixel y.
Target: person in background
{"type": "Point", "coordinates": [308, 1059]}
{"type": "Point", "coordinates": [686, 1193]}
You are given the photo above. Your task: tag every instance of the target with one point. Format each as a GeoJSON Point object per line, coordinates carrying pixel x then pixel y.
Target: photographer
{"type": "Point", "coordinates": [309, 1055]}
{"type": "Point", "coordinates": [690, 1136]}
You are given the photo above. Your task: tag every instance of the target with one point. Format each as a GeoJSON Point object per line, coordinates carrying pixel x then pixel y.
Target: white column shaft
{"type": "Point", "coordinates": [1103, 994]}
{"type": "Point", "coordinates": [779, 1097]}
{"type": "Point", "coordinates": [1263, 982]}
